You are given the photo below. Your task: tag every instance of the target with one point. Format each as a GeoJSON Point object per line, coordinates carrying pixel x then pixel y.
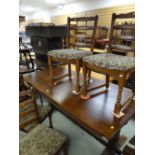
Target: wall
{"type": "Point", "coordinates": [104, 15]}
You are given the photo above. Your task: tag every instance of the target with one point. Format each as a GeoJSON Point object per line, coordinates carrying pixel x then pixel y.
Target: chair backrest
{"type": "Point", "coordinates": [81, 32]}
{"type": "Point", "coordinates": [122, 34]}
{"type": "Point", "coordinates": [28, 112]}
{"type": "Point", "coordinates": [101, 32]}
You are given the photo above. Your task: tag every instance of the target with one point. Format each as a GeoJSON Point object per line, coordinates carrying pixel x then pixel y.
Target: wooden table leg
{"type": "Point", "coordinates": [51, 82]}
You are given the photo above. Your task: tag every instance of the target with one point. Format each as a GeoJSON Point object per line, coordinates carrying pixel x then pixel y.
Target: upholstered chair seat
{"type": "Point", "coordinates": [69, 53]}
{"type": "Point", "coordinates": [41, 141]}
{"type": "Point", "coordinates": [111, 61]}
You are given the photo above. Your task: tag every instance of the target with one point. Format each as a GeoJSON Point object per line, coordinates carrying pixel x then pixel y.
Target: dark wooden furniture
{"type": "Point", "coordinates": [43, 111]}
{"type": "Point", "coordinates": [93, 115]}
{"type": "Point", "coordinates": [78, 36]}
{"type": "Point", "coordinates": [40, 140]}
{"type": "Point", "coordinates": [45, 37]}
{"type": "Point", "coordinates": [112, 65]}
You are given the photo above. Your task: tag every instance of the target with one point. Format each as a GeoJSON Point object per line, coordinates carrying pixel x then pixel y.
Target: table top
{"type": "Point", "coordinates": [94, 115]}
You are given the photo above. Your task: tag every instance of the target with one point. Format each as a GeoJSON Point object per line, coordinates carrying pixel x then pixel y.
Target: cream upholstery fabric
{"type": "Point", "coordinates": [69, 53]}
{"type": "Point", "coordinates": [111, 61]}
{"type": "Point", "coordinates": [41, 141]}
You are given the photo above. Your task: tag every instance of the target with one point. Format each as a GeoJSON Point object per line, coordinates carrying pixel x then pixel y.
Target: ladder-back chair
{"type": "Point", "coordinates": [112, 65]}
{"type": "Point", "coordinates": [44, 111]}
{"type": "Point", "coordinates": [81, 34]}
{"type": "Point", "coordinates": [39, 140]}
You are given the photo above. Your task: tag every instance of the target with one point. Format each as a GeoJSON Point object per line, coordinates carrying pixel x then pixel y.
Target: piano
{"type": "Point", "coordinates": [45, 37]}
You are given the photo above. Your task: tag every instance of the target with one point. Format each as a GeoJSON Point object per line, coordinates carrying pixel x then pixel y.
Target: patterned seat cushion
{"type": "Point", "coordinates": [41, 141]}
{"type": "Point", "coordinates": [111, 61]}
{"type": "Point", "coordinates": [69, 53]}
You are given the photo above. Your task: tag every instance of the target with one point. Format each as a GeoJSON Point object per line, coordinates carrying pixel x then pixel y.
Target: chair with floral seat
{"type": "Point", "coordinates": [81, 33]}
{"type": "Point", "coordinates": [113, 65]}
{"type": "Point", "coordinates": [40, 140]}
{"type": "Point", "coordinates": [44, 111]}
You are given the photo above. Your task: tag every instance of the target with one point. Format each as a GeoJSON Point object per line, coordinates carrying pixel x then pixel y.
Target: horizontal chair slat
{"type": "Point", "coordinates": [82, 28]}
{"type": "Point", "coordinates": [129, 15]}
{"type": "Point", "coordinates": [77, 44]}
{"type": "Point", "coordinates": [122, 37]}
{"type": "Point", "coordinates": [22, 114]}
{"type": "Point", "coordinates": [123, 47]}
{"type": "Point", "coordinates": [24, 103]}
{"type": "Point", "coordinates": [81, 36]}
{"type": "Point", "coordinates": [82, 19]}
{"type": "Point", "coordinates": [26, 123]}
{"type": "Point", "coordinates": [24, 93]}
{"type": "Point", "coordinates": [124, 26]}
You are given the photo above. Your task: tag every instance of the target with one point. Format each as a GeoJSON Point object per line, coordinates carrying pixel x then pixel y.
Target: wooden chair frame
{"type": "Point", "coordinates": [77, 62]}
{"type": "Point", "coordinates": [120, 75]}
{"type": "Point", "coordinates": [30, 94]}
{"type": "Point", "coordinates": [36, 119]}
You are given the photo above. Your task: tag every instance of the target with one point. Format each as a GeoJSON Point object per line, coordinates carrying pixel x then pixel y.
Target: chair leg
{"type": "Point", "coordinates": [107, 82]}
{"type": "Point", "coordinates": [85, 93]}
{"type": "Point", "coordinates": [41, 99]}
{"type": "Point", "coordinates": [65, 149]}
{"type": "Point", "coordinates": [69, 71]}
{"type": "Point", "coordinates": [51, 82]}
{"type": "Point", "coordinates": [117, 111]}
{"type": "Point", "coordinates": [50, 120]}
{"type": "Point", "coordinates": [77, 85]}
{"type": "Point", "coordinates": [89, 76]}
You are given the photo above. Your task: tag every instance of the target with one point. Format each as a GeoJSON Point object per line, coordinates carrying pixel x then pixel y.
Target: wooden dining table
{"type": "Point", "coordinates": [93, 115]}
